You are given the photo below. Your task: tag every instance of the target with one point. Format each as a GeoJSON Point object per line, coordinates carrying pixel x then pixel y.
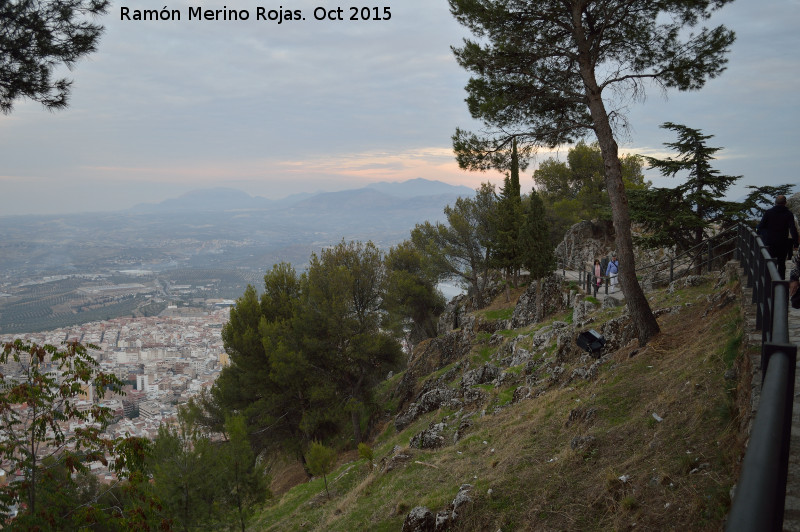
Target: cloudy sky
{"type": "Point", "coordinates": [165, 107]}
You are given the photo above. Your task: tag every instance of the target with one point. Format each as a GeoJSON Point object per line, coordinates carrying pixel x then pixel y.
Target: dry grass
{"type": "Point", "coordinates": [631, 470]}
{"type": "Point", "coordinates": [505, 298]}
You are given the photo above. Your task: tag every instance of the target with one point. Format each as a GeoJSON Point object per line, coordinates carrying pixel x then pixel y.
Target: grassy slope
{"type": "Point", "coordinates": [630, 470]}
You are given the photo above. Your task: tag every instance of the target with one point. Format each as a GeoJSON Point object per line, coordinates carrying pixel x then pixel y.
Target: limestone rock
{"type": "Point", "coordinates": [584, 242]}
{"type": "Point", "coordinates": [582, 443]}
{"type": "Point", "coordinates": [521, 393]}
{"type": "Point", "coordinates": [519, 356]}
{"type": "Point", "coordinates": [431, 438]}
{"type": "Point", "coordinates": [618, 332]}
{"type": "Point", "coordinates": [473, 395]}
{"type": "Point", "coordinates": [453, 314]}
{"type": "Point", "coordinates": [427, 402]}
{"type": "Point", "coordinates": [580, 415]}
{"type": "Point", "coordinates": [610, 302]}
{"type": "Point", "coordinates": [484, 374]}
{"type": "Point", "coordinates": [461, 499]}
{"type": "Point", "coordinates": [540, 299]}
{"type": "Point", "coordinates": [398, 459]}
{"type": "Point", "coordinates": [442, 520]}
{"type": "Point", "coordinates": [463, 425]}
{"type": "Point", "coordinates": [419, 519]}
{"type": "Point", "coordinates": [429, 356]}
{"type": "Point", "coordinates": [683, 282]}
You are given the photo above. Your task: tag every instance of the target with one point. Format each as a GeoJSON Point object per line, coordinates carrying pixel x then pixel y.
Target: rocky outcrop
{"type": "Point", "coordinates": [431, 355]}
{"type": "Point", "coordinates": [453, 313]}
{"type": "Point", "coordinates": [542, 297]}
{"type": "Point", "coordinates": [421, 519]}
{"type": "Point", "coordinates": [430, 438]}
{"type": "Point", "coordinates": [457, 310]}
{"type": "Point", "coordinates": [398, 458]}
{"type": "Point", "coordinates": [618, 332]}
{"type": "Point", "coordinates": [584, 242]}
{"type": "Point", "coordinates": [581, 309]}
{"type": "Point", "coordinates": [481, 375]}
{"type": "Point", "coordinates": [684, 282]}
{"type": "Point", "coordinates": [428, 402]}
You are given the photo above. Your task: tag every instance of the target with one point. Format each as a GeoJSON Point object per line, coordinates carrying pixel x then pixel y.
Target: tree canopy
{"type": "Point", "coordinates": [681, 215]}
{"type": "Point", "coordinates": [461, 248]}
{"type": "Point", "coordinates": [549, 73]}
{"type": "Point", "coordinates": [684, 214]}
{"type": "Point", "coordinates": [575, 190]}
{"type": "Point", "coordinates": [313, 346]}
{"type": "Point", "coordinates": [49, 466]}
{"type": "Point", "coordinates": [37, 37]}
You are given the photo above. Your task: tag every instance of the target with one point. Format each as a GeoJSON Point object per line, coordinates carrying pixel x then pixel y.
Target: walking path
{"type": "Point", "coordinates": [616, 293]}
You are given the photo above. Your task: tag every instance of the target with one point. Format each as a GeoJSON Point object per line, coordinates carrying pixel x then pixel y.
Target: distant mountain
{"type": "Point", "coordinates": [207, 199]}
{"type": "Point", "coordinates": [420, 187]}
{"type": "Point", "coordinates": [383, 195]}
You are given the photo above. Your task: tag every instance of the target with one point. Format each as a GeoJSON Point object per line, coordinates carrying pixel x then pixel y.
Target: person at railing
{"type": "Point", "coordinates": [611, 272]}
{"type": "Point", "coordinates": [598, 276]}
{"type": "Point", "coordinates": [775, 229]}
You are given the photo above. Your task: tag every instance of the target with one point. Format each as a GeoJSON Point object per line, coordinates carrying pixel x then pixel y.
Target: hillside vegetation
{"type": "Point", "coordinates": [648, 439]}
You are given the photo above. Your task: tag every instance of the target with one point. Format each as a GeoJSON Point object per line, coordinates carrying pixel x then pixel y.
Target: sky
{"type": "Point", "coordinates": [165, 107]}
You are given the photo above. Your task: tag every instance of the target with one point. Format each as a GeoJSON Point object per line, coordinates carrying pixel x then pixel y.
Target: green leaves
{"type": "Point", "coordinates": [460, 248]}
{"type": "Point", "coordinates": [536, 250]}
{"type": "Point", "coordinates": [308, 346]}
{"type": "Point", "coordinates": [680, 215]}
{"type": "Point", "coordinates": [39, 398]}
{"type": "Point", "coordinates": [38, 38]}
{"type": "Point", "coordinates": [321, 461]}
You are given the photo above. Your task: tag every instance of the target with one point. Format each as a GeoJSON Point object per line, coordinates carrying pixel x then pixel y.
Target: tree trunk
{"type": "Point", "coordinates": [643, 319]}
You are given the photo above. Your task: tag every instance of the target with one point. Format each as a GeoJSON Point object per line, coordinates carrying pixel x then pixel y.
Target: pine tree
{"type": "Point", "coordinates": [36, 39]}
{"type": "Point", "coordinates": [321, 460]}
{"type": "Point", "coordinates": [505, 250]}
{"type": "Point", "coordinates": [241, 477]}
{"type": "Point", "coordinates": [534, 239]}
{"type": "Point", "coordinates": [546, 73]}
{"type": "Point", "coordinates": [681, 215]}
{"type": "Point", "coordinates": [461, 247]}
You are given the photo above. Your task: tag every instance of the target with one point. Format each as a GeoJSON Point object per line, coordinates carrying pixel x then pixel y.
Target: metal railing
{"type": "Point", "coordinates": [761, 491]}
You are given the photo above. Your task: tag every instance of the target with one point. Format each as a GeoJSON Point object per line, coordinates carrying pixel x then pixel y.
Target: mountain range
{"type": "Point", "coordinates": [221, 199]}
{"type": "Point", "coordinates": [219, 228]}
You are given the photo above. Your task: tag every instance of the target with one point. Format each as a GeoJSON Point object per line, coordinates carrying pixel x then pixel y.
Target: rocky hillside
{"type": "Point", "coordinates": [503, 423]}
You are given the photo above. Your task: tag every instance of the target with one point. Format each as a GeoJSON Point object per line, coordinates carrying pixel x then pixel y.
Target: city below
{"type": "Point", "coordinates": [162, 360]}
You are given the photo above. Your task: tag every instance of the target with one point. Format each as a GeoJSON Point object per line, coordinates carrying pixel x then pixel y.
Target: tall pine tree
{"type": "Point", "coordinates": [681, 215]}
{"type": "Point", "coordinates": [505, 251]}
{"type": "Point", "coordinates": [534, 239]}
{"type": "Point", "coordinates": [554, 71]}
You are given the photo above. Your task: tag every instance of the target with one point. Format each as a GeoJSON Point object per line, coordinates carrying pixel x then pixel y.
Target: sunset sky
{"type": "Point", "coordinates": [165, 107]}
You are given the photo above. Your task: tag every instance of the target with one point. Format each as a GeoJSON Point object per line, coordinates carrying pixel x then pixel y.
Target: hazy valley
{"type": "Point", "coordinates": [62, 270]}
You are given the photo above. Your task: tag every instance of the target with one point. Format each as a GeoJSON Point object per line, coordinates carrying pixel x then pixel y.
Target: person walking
{"type": "Point", "coordinates": [779, 233]}
{"type": "Point", "coordinates": [611, 272]}
{"type": "Point", "coordinates": [598, 276]}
